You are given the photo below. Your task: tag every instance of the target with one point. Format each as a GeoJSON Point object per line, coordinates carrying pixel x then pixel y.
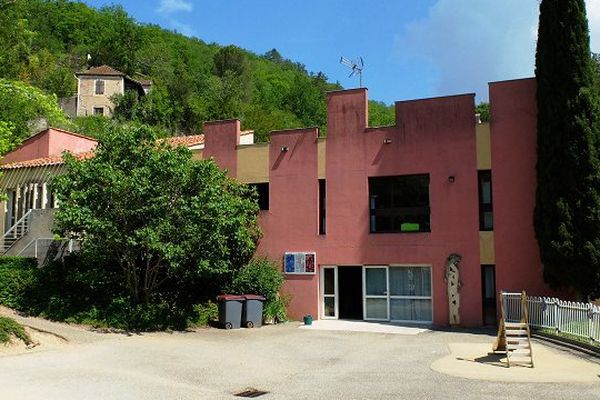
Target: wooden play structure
{"type": "Point", "coordinates": [514, 336]}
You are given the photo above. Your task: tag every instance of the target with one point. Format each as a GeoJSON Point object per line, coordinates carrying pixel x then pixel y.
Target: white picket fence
{"type": "Point", "coordinates": [555, 316]}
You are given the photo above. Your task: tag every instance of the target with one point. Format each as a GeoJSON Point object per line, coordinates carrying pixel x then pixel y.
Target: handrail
{"type": "Point", "coordinates": [21, 222]}
{"type": "Point", "coordinates": [35, 244]}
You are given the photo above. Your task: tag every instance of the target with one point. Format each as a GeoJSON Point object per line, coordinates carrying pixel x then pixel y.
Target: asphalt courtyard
{"type": "Point", "coordinates": [286, 362]}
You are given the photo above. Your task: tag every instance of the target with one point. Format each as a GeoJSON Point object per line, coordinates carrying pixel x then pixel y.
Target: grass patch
{"type": "Point", "coordinates": [574, 338]}
{"type": "Point", "coordinates": [9, 328]}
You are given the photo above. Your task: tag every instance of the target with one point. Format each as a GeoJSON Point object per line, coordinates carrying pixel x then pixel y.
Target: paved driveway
{"type": "Point", "coordinates": [287, 362]}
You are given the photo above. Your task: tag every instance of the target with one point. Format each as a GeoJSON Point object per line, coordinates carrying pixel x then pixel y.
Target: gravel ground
{"type": "Point", "coordinates": [287, 362]}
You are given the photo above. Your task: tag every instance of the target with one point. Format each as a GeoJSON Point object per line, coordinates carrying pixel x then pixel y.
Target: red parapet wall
{"type": "Point", "coordinates": [514, 142]}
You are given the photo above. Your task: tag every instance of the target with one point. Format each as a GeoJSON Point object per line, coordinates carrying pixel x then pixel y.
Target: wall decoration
{"type": "Point", "coordinates": [299, 263]}
{"type": "Point", "coordinates": [452, 278]}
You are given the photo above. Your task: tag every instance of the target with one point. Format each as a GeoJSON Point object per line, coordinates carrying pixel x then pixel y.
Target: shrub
{"type": "Point", "coordinates": [205, 313]}
{"type": "Point", "coordinates": [16, 275]}
{"type": "Point", "coordinates": [9, 327]}
{"type": "Point", "coordinates": [261, 276]}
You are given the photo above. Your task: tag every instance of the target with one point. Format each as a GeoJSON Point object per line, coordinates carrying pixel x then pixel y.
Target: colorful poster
{"type": "Point", "coordinates": [289, 263]}
{"type": "Point", "coordinates": [299, 263]}
{"type": "Point", "coordinates": [299, 267]}
{"type": "Point", "coordinates": [310, 263]}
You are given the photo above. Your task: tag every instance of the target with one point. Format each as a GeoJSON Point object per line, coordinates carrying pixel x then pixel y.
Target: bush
{"type": "Point", "coordinates": [9, 327]}
{"type": "Point", "coordinates": [16, 275]}
{"type": "Point", "coordinates": [205, 313]}
{"type": "Point", "coordinates": [261, 276]}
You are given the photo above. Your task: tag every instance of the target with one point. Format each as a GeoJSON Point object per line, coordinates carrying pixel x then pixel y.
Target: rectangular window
{"type": "Point", "coordinates": [410, 294]}
{"type": "Point", "coordinates": [486, 216]}
{"type": "Point", "coordinates": [399, 203]}
{"type": "Point", "coordinates": [99, 86]}
{"type": "Point", "coordinates": [99, 111]}
{"type": "Point", "coordinates": [262, 189]}
{"type": "Point", "coordinates": [322, 209]}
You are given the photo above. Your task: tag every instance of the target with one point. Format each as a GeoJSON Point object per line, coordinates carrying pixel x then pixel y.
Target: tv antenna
{"type": "Point", "coordinates": [356, 67]}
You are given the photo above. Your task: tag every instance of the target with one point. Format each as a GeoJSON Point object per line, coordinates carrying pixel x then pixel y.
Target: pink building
{"type": "Point", "coordinates": [364, 221]}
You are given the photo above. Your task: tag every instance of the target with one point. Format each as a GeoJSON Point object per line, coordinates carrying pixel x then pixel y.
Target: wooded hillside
{"type": "Point", "coordinates": [43, 42]}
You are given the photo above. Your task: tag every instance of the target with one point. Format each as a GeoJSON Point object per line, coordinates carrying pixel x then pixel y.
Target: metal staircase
{"type": "Point", "coordinates": [16, 232]}
{"type": "Point", "coordinates": [514, 336]}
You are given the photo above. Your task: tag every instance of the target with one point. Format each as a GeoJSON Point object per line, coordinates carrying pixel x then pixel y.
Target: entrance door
{"type": "Point", "coordinates": [488, 294]}
{"type": "Point", "coordinates": [329, 290]}
{"type": "Point", "coordinates": [375, 288]}
{"type": "Point", "coordinates": [350, 292]}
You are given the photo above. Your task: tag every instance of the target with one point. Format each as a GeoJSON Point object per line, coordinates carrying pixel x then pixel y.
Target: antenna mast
{"type": "Point", "coordinates": [356, 67]}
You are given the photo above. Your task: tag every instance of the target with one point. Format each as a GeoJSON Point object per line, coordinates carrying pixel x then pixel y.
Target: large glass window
{"type": "Point", "coordinates": [410, 294]}
{"type": "Point", "coordinates": [486, 216]}
{"type": "Point", "coordinates": [399, 203]}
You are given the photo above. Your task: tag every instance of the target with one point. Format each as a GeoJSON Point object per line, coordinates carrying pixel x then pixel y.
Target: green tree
{"type": "Point", "coordinates": [380, 114]}
{"type": "Point", "coordinates": [165, 222]}
{"type": "Point", "coordinates": [20, 105]}
{"type": "Point", "coordinates": [483, 109]}
{"type": "Point", "coordinates": [567, 214]}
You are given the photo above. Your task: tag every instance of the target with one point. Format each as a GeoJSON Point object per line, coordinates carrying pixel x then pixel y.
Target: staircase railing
{"type": "Point", "coordinates": [18, 230]}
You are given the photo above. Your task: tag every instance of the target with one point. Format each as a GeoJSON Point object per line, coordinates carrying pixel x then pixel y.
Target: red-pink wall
{"type": "Point", "coordinates": [513, 139]}
{"type": "Point", "coordinates": [59, 142]}
{"type": "Point", "coordinates": [434, 136]}
{"type": "Point", "coordinates": [290, 224]}
{"type": "Point", "coordinates": [50, 142]}
{"type": "Point", "coordinates": [220, 141]}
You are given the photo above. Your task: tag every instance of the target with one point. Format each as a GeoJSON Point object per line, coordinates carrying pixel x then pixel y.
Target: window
{"type": "Point", "coordinates": [399, 203]}
{"type": "Point", "coordinates": [262, 189]}
{"type": "Point", "coordinates": [486, 216]}
{"type": "Point", "coordinates": [322, 202]}
{"type": "Point", "coordinates": [98, 110]}
{"type": "Point", "coordinates": [410, 294]}
{"type": "Point", "coordinates": [99, 86]}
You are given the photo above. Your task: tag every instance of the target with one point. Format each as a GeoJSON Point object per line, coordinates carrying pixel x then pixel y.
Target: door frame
{"type": "Point", "coordinates": [366, 296]}
{"type": "Point", "coordinates": [430, 297]}
{"type": "Point", "coordinates": [322, 295]}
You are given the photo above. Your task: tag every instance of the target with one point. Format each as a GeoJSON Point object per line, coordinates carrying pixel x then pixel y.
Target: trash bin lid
{"type": "Point", "coordinates": [254, 297]}
{"type": "Point", "coordinates": [228, 297]}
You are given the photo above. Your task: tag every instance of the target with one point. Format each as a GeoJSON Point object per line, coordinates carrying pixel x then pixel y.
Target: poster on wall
{"type": "Point", "coordinates": [299, 263]}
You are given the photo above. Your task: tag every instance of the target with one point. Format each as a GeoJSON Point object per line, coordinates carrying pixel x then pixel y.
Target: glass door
{"type": "Point", "coordinates": [329, 293]}
{"type": "Point", "coordinates": [376, 303]}
{"type": "Point", "coordinates": [410, 294]}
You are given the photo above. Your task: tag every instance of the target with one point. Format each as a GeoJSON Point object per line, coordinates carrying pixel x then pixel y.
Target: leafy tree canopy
{"type": "Point", "coordinates": [168, 224]}
{"type": "Point", "coordinates": [20, 106]}
{"type": "Point", "coordinates": [43, 42]}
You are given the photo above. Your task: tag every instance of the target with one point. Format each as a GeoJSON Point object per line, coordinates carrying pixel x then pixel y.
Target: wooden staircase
{"type": "Point", "coordinates": [514, 338]}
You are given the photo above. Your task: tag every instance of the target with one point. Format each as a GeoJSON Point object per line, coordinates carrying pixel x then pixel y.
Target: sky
{"type": "Point", "coordinates": [411, 48]}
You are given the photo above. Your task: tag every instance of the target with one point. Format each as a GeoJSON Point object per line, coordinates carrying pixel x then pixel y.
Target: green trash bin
{"type": "Point", "coordinates": [252, 311]}
{"type": "Point", "coordinates": [230, 310]}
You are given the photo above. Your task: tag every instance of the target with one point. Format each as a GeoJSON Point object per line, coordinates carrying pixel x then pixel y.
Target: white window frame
{"type": "Point", "coordinates": [335, 290]}
{"type": "Point", "coordinates": [385, 296]}
{"type": "Point", "coordinates": [430, 297]}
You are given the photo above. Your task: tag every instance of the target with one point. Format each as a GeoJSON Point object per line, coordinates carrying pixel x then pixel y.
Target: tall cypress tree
{"type": "Point", "coordinates": [567, 214]}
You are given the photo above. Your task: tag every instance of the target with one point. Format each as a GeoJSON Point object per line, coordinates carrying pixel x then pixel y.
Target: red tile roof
{"type": "Point", "coordinates": [190, 140]}
{"type": "Point", "coordinates": [101, 70]}
{"type": "Point", "coordinates": [45, 161]}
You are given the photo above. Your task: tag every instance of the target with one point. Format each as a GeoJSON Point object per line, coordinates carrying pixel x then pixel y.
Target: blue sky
{"type": "Point", "coordinates": [411, 48]}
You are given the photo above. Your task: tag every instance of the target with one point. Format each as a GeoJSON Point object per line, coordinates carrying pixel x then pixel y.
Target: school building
{"type": "Point", "coordinates": [366, 221]}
